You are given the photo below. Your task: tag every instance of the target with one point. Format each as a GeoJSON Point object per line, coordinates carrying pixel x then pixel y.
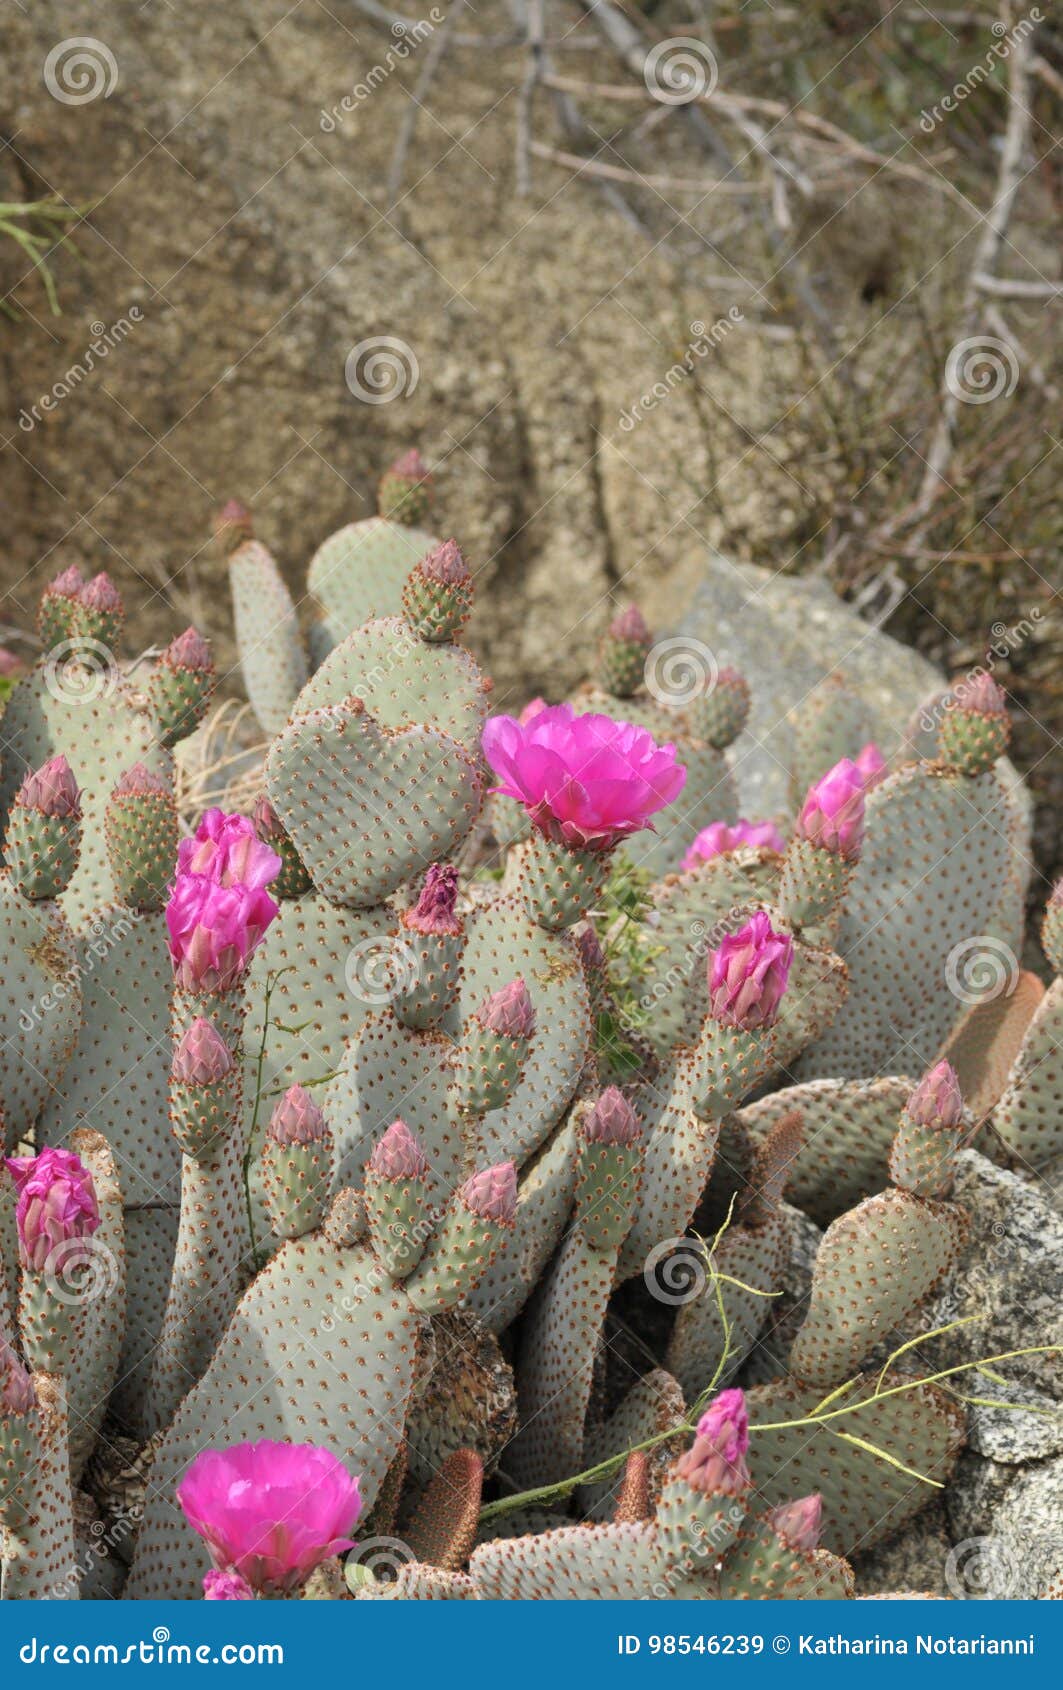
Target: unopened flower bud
{"type": "Point", "coordinates": [139, 782]}
{"type": "Point", "coordinates": [296, 1119]}
{"type": "Point", "coordinates": [508, 1011]}
{"type": "Point", "coordinates": [446, 565]}
{"type": "Point", "coordinates": [832, 815]}
{"type": "Point", "coordinates": [979, 691]}
{"type": "Point", "coordinates": [434, 911]}
{"type": "Point", "coordinates": [630, 625]}
{"type": "Point", "coordinates": [188, 651]}
{"type": "Point", "coordinates": [937, 1100]}
{"type": "Point", "coordinates": [398, 1155]}
{"type": "Point", "coordinates": [798, 1523]}
{"type": "Point", "coordinates": [716, 1462]}
{"type": "Point", "coordinates": [101, 594]}
{"type": "Point", "coordinates": [612, 1120]}
{"type": "Point", "coordinates": [748, 975]}
{"type": "Point", "coordinates": [202, 1056]}
{"type": "Point", "coordinates": [51, 790]}
{"type": "Point", "coordinates": [492, 1194]}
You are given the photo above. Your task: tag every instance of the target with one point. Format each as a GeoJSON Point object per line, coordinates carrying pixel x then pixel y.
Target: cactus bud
{"type": "Point", "coordinates": [406, 490]}
{"type": "Point", "coordinates": [181, 686]}
{"type": "Point", "coordinates": [58, 607]}
{"type": "Point", "coordinates": [398, 1155]}
{"type": "Point", "coordinates": [798, 1523]}
{"type": "Point", "coordinates": [17, 1393]}
{"type": "Point", "coordinates": [871, 764]}
{"type": "Point", "coordinates": [974, 729]}
{"type": "Point", "coordinates": [297, 1119]}
{"type": "Point", "coordinates": [718, 837]}
{"type": "Point", "coordinates": [99, 613]}
{"type": "Point", "coordinates": [492, 1194]}
{"type": "Point", "coordinates": [51, 790]}
{"type": "Point", "coordinates": [832, 815]}
{"type": "Point", "coordinates": [202, 1056]}
{"type": "Point", "coordinates": [438, 593]}
{"type": "Point", "coordinates": [434, 911]}
{"type": "Point", "coordinates": [533, 708]}
{"type": "Point", "coordinates": [748, 975]}
{"type": "Point", "coordinates": [232, 526]}
{"type": "Point", "coordinates": [979, 691]}
{"type": "Point", "coordinates": [509, 1011]}
{"type": "Point", "coordinates": [293, 880]}
{"type": "Point", "coordinates": [612, 1121]}
{"type": "Point", "coordinates": [226, 1587]}
{"type": "Point", "coordinates": [139, 782]}
{"type": "Point", "coordinates": [590, 950]}
{"type": "Point", "coordinates": [622, 654]}
{"type": "Point", "coordinates": [716, 1462]}
{"type": "Point", "coordinates": [719, 714]}
{"type": "Point", "coordinates": [937, 1100]}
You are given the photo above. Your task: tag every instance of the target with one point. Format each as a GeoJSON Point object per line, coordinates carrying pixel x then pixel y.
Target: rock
{"type": "Point", "coordinates": [915, 1560]}
{"type": "Point", "coordinates": [1010, 1276]}
{"type": "Point", "coordinates": [1008, 1435]}
{"type": "Point", "coordinates": [1016, 1550]}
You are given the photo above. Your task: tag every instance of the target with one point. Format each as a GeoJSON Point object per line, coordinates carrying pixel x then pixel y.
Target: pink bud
{"type": "Point", "coordinates": [227, 850]}
{"type": "Point", "coordinates": [612, 1120]}
{"type": "Point", "coordinates": [297, 1119]}
{"type": "Point", "coordinates": [446, 565]}
{"type": "Point", "coordinates": [202, 1056]}
{"type": "Point", "coordinates": [748, 975]}
{"type": "Point", "coordinates": [67, 584]}
{"type": "Point", "coordinates": [871, 764]}
{"type": "Point", "coordinates": [531, 710]}
{"type": "Point", "coordinates": [492, 1194]}
{"type": "Point", "coordinates": [189, 651]}
{"type": "Point", "coordinates": [56, 1206]}
{"type": "Point", "coordinates": [979, 691]}
{"type": "Point", "coordinates": [101, 594]}
{"type": "Point", "coordinates": [630, 625]}
{"type": "Point", "coordinates": [10, 665]}
{"type": "Point", "coordinates": [410, 465]}
{"type": "Point", "coordinates": [798, 1523]}
{"type": "Point", "coordinates": [226, 1587]}
{"type": "Point", "coordinates": [434, 909]}
{"type": "Point", "coordinates": [399, 1154]}
{"type": "Point", "coordinates": [51, 791]}
{"type": "Point", "coordinates": [17, 1395]}
{"type": "Point", "coordinates": [937, 1100]}
{"type": "Point", "coordinates": [718, 837]}
{"type": "Point", "coordinates": [716, 1463]}
{"type": "Point", "coordinates": [233, 524]}
{"type": "Point", "coordinates": [139, 782]}
{"type": "Point", "coordinates": [214, 931]}
{"type": "Point", "coordinates": [832, 815]}
{"type": "Point", "coordinates": [266, 822]}
{"type": "Point", "coordinates": [508, 1011]}
{"type": "Point", "coordinates": [590, 950]}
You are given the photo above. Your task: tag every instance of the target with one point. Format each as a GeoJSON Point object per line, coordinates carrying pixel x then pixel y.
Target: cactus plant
{"type": "Point", "coordinates": [400, 1216]}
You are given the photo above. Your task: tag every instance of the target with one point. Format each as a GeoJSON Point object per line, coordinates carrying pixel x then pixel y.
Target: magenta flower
{"type": "Point", "coordinates": [832, 815]}
{"type": "Point", "coordinates": [271, 1512]}
{"type": "Point", "coordinates": [585, 781]}
{"type": "Point", "coordinates": [872, 765]}
{"type": "Point", "coordinates": [56, 1208]}
{"type": "Point", "coordinates": [720, 837]}
{"type": "Point", "coordinates": [716, 1462]}
{"type": "Point", "coordinates": [748, 974]}
{"type": "Point", "coordinates": [227, 850]}
{"type": "Point", "coordinates": [226, 1587]}
{"type": "Point", "coordinates": [214, 931]}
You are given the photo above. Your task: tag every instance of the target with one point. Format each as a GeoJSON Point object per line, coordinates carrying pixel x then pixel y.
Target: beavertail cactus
{"type": "Point", "coordinates": [44, 832]}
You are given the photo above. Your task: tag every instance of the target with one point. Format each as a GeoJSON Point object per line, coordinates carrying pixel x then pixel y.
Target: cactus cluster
{"type": "Point", "coordinates": [314, 1162]}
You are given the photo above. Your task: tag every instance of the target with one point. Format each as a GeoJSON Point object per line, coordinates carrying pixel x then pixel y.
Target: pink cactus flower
{"type": "Point", "coordinates": [871, 764]}
{"type": "Point", "coordinates": [56, 1210]}
{"type": "Point", "coordinates": [226, 1587]}
{"type": "Point", "coordinates": [492, 1193]}
{"type": "Point", "coordinates": [509, 1011]}
{"type": "Point", "coordinates": [434, 911]}
{"type": "Point", "coordinates": [202, 1056]}
{"type": "Point", "coordinates": [51, 790]}
{"type": "Point", "coordinates": [532, 709]}
{"type": "Point", "coordinates": [297, 1119]}
{"type": "Point", "coordinates": [716, 1462]}
{"type": "Point", "coordinates": [398, 1154]}
{"type": "Point", "coordinates": [798, 1523]}
{"type": "Point", "coordinates": [189, 651]}
{"type": "Point", "coordinates": [612, 1120]}
{"type": "Point", "coordinates": [718, 837]}
{"type": "Point", "coordinates": [271, 1512]}
{"type": "Point", "coordinates": [748, 975]}
{"type": "Point", "coordinates": [227, 850]}
{"type": "Point", "coordinates": [17, 1395]}
{"type": "Point", "coordinates": [937, 1100]}
{"type": "Point", "coordinates": [214, 931]}
{"type": "Point", "coordinates": [832, 815]}
{"type": "Point", "coordinates": [585, 781]}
